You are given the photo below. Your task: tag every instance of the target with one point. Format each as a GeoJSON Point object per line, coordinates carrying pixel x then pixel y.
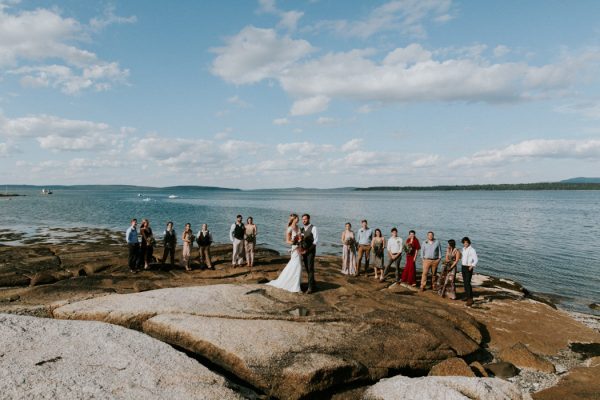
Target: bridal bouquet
{"type": "Point", "coordinates": [297, 240]}
{"type": "Point", "coordinates": [349, 242]}
{"type": "Point", "coordinates": [407, 248]}
{"type": "Point", "coordinates": [251, 238]}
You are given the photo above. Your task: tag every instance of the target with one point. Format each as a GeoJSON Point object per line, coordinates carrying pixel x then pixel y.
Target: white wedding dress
{"type": "Point", "coordinates": [289, 279]}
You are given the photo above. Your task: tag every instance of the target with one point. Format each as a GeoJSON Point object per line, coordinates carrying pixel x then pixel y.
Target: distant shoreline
{"type": "Point", "coordinates": [517, 186]}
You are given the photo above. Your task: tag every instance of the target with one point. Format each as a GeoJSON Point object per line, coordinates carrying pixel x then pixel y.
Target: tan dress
{"type": "Point", "coordinates": [349, 254]}
{"type": "Point", "coordinates": [250, 238]}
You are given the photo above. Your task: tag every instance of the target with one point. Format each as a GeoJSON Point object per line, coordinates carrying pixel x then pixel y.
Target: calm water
{"type": "Point", "coordinates": [547, 240]}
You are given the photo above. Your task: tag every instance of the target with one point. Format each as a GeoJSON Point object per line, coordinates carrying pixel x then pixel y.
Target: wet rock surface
{"type": "Point", "coordinates": [50, 359]}
{"type": "Point", "coordinates": [522, 357]}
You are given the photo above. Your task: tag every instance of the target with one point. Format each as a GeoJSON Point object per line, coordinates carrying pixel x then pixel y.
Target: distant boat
{"type": "Point", "coordinates": [173, 196]}
{"type": "Point", "coordinates": [147, 199]}
{"type": "Point", "coordinates": [139, 195]}
{"type": "Point", "coordinates": [46, 191]}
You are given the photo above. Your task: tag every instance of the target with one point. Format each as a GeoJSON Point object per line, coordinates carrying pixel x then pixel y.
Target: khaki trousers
{"type": "Point", "coordinates": [366, 250]}
{"type": "Point", "coordinates": [429, 264]}
{"type": "Point", "coordinates": [237, 256]}
{"type": "Point", "coordinates": [205, 255]}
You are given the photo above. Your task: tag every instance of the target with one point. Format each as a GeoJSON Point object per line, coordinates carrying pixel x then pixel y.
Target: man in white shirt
{"type": "Point", "coordinates": [394, 248]}
{"type": "Point", "coordinates": [469, 262]}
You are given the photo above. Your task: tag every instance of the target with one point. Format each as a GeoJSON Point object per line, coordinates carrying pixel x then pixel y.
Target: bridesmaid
{"type": "Point", "coordinates": [250, 237]}
{"type": "Point", "coordinates": [446, 280]}
{"type": "Point", "coordinates": [378, 246]}
{"type": "Point", "coordinates": [411, 249]}
{"type": "Point", "coordinates": [147, 247]}
{"type": "Point", "coordinates": [348, 251]}
{"type": "Point", "coordinates": [187, 237]}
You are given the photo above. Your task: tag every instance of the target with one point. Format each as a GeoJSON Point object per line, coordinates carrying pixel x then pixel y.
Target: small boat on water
{"type": "Point", "coordinates": [146, 199]}
{"type": "Point", "coordinates": [173, 196]}
{"type": "Point", "coordinates": [46, 191]}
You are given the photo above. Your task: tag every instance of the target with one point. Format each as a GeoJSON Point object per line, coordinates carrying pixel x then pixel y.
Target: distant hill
{"type": "Point", "coordinates": [516, 186]}
{"type": "Point", "coordinates": [581, 180]}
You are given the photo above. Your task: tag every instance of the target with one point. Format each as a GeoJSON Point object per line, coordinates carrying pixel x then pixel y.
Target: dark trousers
{"type": "Point", "coordinates": [309, 263]}
{"type": "Point", "coordinates": [389, 264]}
{"type": "Point", "coordinates": [166, 252]}
{"type": "Point", "coordinates": [467, 275]}
{"type": "Point", "coordinates": [134, 255]}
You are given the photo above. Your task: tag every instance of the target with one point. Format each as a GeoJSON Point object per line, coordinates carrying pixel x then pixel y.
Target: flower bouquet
{"type": "Point", "coordinates": [350, 242]}
{"type": "Point", "coordinates": [251, 238]}
{"type": "Point", "coordinates": [407, 248]}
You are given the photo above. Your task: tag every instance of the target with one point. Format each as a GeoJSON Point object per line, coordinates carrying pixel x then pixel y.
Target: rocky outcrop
{"type": "Point", "coordinates": [502, 369]}
{"type": "Point", "coordinates": [444, 388]}
{"type": "Point", "coordinates": [452, 367]}
{"type": "Point", "coordinates": [49, 359]}
{"type": "Point", "coordinates": [253, 332]}
{"type": "Point", "coordinates": [522, 357]}
{"type": "Point", "coordinates": [581, 383]}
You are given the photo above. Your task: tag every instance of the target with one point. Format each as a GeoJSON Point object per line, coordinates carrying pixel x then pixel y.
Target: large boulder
{"type": "Point", "coordinates": [521, 356]}
{"type": "Point", "coordinates": [444, 388]}
{"type": "Point", "coordinates": [275, 340]}
{"type": "Point", "coordinates": [49, 359]}
{"type": "Point", "coordinates": [452, 367]}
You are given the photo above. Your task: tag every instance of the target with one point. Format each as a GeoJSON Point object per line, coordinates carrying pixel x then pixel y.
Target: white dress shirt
{"type": "Point", "coordinates": [469, 257]}
{"type": "Point", "coordinates": [394, 244]}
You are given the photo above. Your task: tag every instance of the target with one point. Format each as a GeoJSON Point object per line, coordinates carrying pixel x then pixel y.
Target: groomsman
{"type": "Point", "coordinates": [236, 235]}
{"type": "Point", "coordinates": [133, 245]}
{"type": "Point", "coordinates": [431, 256]}
{"type": "Point", "coordinates": [394, 248]}
{"type": "Point", "coordinates": [469, 262]}
{"type": "Point", "coordinates": [310, 239]}
{"type": "Point", "coordinates": [364, 239]}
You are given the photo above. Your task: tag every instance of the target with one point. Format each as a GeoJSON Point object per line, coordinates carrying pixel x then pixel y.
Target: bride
{"type": "Point", "coordinates": [289, 279]}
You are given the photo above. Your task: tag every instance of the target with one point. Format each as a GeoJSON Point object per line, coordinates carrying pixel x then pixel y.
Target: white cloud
{"type": "Point", "coordinates": [426, 161]}
{"type": "Point", "coordinates": [325, 120]}
{"type": "Point", "coordinates": [353, 145]}
{"type": "Point", "coordinates": [109, 18]}
{"type": "Point", "coordinates": [238, 101]}
{"type": "Point", "coordinates": [28, 39]}
{"type": "Point", "coordinates": [310, 105]}
{"type": "Point", "coordinates": [501, 50]}
{"type": "Point", "coordinates": [8, 149]}
{"type": "Point", "coordinates": [288, 19]}
{"type": "Point", "coordinates": [587, 109]}
{"type": "Point", "coordinates": [304, 148]}
{"type": "Point", "coordinates": [58, 134]}
{"type": "Point", "coordinates": [255, 54]}
{"type": "Point", "coordinates": [529, 149]}
{"type": "Point", "coordinates": [281, 121]}
{"type": "Point", "coordinates": [405, 16]}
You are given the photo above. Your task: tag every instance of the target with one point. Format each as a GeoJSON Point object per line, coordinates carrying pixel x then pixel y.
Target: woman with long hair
{"type": "Point", "coordinates": [289, 278]}
{"type": "Point", "coordinates": [147, 247]}
{"type": "Point", "coordinates": [250, 238]}
{"type": "Point", "coordinates": [348, 251]}
{"type": "Point", "coordinates": [187, 237]}
{"type": "Point", "coordinates": [378, 246]}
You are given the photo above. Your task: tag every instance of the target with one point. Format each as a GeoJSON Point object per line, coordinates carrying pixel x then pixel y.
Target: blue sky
{"type": "Point", "coordinates": [305, 93]}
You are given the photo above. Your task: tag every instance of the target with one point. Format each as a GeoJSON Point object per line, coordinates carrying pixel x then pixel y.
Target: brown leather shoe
{"type": "Point", "coordinates": [469, 303]}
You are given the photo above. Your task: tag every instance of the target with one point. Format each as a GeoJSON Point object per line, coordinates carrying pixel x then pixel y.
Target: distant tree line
{"type": "Point", "coordinates": [515, 186]}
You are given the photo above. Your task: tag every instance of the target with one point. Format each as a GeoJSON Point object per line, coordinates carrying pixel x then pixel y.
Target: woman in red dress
{"type": "Point", "coordinates": [411, 250]}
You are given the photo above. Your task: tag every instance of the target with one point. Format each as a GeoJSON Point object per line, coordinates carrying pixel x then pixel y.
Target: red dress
{"type": "Point", "coordinates": [409, 275]}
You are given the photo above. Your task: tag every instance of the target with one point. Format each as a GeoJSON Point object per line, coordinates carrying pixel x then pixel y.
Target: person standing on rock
{"type": "Point", "coordinates": [188, 239]}
{"type": "Point", "coordinates": [394, 249]}
{"type": "Point", "coordinates": [348, 251]}
{"type": "Point", "coordinates": [469, 262]}
{"type": "Point", "coordinates": [378, 246]}
{"type": "Point", "coordinates": [448, 276]}
{"type": "Point", "coordinates": [411, 249]}
{"type": "Point", "coordinates": [236, 235]}
{"type": "Point", "coordinates": [431, 256]}
{"type": "Point", "coordinates": [364, 239]}
{"type": "Point", "coordinates": [204, 240]}
{"type": "Point", "coordinates": [170, 241]}
{"type": "Point", "coordinates": [133, 246]}
{"type": "Point", "coordinates": [310, 238]}
{"type": "Point", "coordinates": [250, 238]}
{"type": "Point", "coordinates": [147, 247]}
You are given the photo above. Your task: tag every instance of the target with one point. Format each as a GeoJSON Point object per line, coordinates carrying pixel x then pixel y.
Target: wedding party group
{"type": "Point", "coordinates": [141, 247]}
{"type": "Point", "coordinates": [356, 247]}
{"type": "Point", "coordinates": [359, 250]}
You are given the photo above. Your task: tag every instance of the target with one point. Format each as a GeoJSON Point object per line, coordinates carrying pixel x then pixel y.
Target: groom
{"type": "Point", "coordinates": [310, 237]}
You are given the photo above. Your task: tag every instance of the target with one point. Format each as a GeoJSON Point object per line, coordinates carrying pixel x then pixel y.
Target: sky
{"type": "Point", "coordinates": [316, 93]}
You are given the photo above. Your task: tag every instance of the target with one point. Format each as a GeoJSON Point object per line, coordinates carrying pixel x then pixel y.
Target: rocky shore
{"type": "Point", "coordinates": [75, 323]}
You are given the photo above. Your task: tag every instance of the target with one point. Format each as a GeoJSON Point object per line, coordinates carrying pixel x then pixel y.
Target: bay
{"type": "Point", "coordinates": [547, 240]}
